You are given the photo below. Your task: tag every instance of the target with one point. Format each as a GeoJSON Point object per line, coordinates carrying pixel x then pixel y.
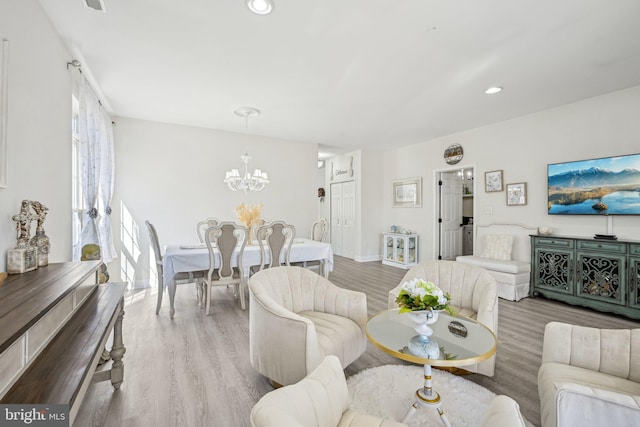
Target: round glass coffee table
{"type": "Point", "coordinates": [462, 342]}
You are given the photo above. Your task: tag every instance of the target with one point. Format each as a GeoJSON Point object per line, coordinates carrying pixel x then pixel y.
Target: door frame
{"type": "Point", "coordinates": [436, 202]}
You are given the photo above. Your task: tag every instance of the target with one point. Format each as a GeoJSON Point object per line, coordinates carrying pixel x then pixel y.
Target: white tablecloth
{"type": "Point", "coordinates": [178, 259]}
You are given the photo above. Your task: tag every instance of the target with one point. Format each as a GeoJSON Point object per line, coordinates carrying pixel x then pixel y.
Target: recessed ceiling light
{"type": "Point", "coordinates": [493, 90]}
{"type": "Point", "coordinates": [260, 7]}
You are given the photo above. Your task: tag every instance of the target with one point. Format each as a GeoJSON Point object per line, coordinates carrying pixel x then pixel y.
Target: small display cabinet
{"type": "Point", "coordinates": [400, 250]}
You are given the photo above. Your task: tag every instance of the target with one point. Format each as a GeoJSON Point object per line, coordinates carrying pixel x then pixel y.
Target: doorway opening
{"type": "Point", "coordinates": [454, 212]}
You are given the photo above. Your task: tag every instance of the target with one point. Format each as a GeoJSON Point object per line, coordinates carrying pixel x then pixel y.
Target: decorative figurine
{"type": "Point", "coordinates": [24, 257]}
{"type": "Point", "coordinates": [41, 241]}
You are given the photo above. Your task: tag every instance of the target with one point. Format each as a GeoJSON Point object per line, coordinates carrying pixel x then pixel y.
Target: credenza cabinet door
{"type": "Point", "coordinates": [634, 276]}
{"type": "Point", "coordinates": [553, 270]}
{"type": "Point", "coordinates": [601, 277]}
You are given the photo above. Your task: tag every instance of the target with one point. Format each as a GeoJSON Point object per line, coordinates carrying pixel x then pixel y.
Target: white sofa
{"type": "Point", "coordinates": [589, 376]}
{"type": "Point", "coordinates": [322, 399]}
{"type": "Point", "coordinates": [512, 274]}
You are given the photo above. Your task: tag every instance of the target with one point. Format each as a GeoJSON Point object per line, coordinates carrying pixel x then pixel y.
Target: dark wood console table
{"type": "Point", "coordinates": [596, 273]}
{"type": "Point", "coordinates": [54, 324]}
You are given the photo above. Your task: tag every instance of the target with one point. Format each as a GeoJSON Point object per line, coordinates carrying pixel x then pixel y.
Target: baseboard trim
{"type": "Point", "coordinates": [368, 258]}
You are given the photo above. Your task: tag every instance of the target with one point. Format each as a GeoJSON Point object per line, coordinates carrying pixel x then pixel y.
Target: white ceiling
{"type": "Point", "coordinates": [350, 74]}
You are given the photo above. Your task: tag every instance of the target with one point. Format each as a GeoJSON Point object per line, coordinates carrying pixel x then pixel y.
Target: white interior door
{"type": "Point", "coordinates": [336, 218]}
{"type": "Point", "coordinates": [348, 219]}
{"type": "Point", "coordinates": [343, 218]}
{"type": "Point", "coordinates": [450, 215]}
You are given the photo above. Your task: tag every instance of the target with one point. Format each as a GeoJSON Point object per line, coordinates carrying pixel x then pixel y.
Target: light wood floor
{"type": "Point", "coordinates": [195, 371]}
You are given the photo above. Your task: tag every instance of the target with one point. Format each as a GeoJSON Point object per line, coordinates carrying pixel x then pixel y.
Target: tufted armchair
{"type": "Point", "coordinates": [322, 399]}
{"type": "Point", "coordinates": [297, 317]}
{"type": "Point", "coordinates": [473, 291]}
{"type": "Point", "coordinates": [589, 376]}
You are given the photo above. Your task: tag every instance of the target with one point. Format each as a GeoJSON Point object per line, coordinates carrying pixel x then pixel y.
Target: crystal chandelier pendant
{"type": "Point", "coordinates": [246, 181]}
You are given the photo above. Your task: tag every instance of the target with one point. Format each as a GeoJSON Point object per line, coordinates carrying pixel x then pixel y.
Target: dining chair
{"type": "Point", "coordinates": [222, 240]}
{"type": "Point", "coordinates": [202, 226]}
{"type": "Point", "coordinates": [318, 229]}
{"type": "Point", "coordinates": [196, 277]}
{"type": "Point", "coordinates": [254, 230]}
{"type": "Point", "coordinates": [278, 237]}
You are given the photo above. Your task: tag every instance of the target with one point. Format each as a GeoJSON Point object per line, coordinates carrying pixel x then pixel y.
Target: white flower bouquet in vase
{"type": "Point", "coordinates": [423, 301]}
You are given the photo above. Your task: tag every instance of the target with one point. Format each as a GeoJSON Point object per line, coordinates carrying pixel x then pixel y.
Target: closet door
{"type": "Point", "coordinates": [348, 219]}
{"type": "Point", "coordinates": [343, 218]}
{"type": "Point", "coordinates": [336, 218]}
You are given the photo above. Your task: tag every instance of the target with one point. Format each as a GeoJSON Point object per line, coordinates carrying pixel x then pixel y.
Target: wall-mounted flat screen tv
{"type": "Point", "coordinates": [605, 186]}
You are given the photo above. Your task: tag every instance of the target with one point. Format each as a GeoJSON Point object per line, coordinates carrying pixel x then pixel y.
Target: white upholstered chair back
{"type": "Point", "coordinates": [278, 238]}
{"type": "Point", "coordinates": [222, 240]}
{"type": "Point", "coordinates": [473, 292]}
{"type": "Point", "coordinates": [202, 226]}
{"type": "Point", "coordinates": [521, 249]}
{"type": "Point", "coordinates": [285, 344]}
{"type": "Point", "coordinates": [318, 230]}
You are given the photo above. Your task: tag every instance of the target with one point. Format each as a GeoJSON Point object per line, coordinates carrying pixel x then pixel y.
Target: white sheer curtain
{"type": "Point", "coordinates": [97, 171]}
{"type": "Point", "coordinates": [105, 190]}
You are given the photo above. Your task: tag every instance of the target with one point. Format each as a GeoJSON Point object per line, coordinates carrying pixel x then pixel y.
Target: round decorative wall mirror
{"type": "Point", "coordinates": [453, 154]}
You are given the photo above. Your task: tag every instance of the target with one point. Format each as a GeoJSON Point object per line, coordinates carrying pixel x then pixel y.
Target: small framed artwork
{"type": "Point", "coordinates": [407, 193]}
{"type": "Point", "coordinates": [517, 194]}
{"type": "Point", "coordinates": [493, 181]}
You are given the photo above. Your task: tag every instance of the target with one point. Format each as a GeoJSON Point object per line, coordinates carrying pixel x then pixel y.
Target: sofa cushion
{"type": "Point", "coordinates": [497, 246]}
{"type": "Point", "coordinates": [511, 266]}
{"type": "Point", "coordinates": [337, 335]}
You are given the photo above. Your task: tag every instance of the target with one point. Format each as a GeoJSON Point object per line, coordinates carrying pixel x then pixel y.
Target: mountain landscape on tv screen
{"type": "Point", "coordinates": [595, 191]}
{"type": "Point", "coordinates": [594, 177]}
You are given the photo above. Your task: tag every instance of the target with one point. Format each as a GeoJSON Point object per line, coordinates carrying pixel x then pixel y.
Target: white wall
{"type": "Point", "coordinates": [603, 126]}
{"type": "Point", "coordinates": [173, 176]}
{"type": "Point", "coordinates": [372, 185]}
{"type": "Point", "coordinates": [39, 126]}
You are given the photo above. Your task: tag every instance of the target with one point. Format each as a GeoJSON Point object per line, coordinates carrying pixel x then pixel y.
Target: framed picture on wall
{"type": "Point", "coordinates": [493, 181]}
{"type": "Point", "coordinates": [407, 193]}
{"type": "Point", "coordinates": [517, 194]}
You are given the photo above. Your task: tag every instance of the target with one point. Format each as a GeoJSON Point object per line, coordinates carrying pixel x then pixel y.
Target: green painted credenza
{"type": "Point", "coordinates": [596, 273]}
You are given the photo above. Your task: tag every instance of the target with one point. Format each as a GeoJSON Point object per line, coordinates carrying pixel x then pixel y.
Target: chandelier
{"type": "Point", "coordinates": [246, 181]}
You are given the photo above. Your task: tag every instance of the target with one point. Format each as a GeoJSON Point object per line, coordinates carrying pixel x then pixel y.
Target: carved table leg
{"type": "Point", "coordinates": [118, 351]}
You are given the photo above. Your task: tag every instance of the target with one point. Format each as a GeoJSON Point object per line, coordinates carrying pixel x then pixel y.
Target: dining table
{"type": "Point", "coordinates": [185, 258]}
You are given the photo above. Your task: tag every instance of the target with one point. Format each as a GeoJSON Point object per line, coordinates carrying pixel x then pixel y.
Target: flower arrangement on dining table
{"type": "Point", "coordinates": [249, 215]}
{"type": "Point", "coordinates": [419, 294]}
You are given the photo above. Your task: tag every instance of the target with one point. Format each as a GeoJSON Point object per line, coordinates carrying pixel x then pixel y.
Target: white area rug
{"type": "Point", "coordinates": [388, 391]}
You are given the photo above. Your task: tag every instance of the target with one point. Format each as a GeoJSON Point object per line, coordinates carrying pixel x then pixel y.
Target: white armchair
{"type": "Point", "coordinates": [297, 317]}
{"type": "Point", "coordinates": [322, 399]}
{"type": "Point", "coordinates": [473, 291]}
{"type": "Point", "coordinates": [589, 376]}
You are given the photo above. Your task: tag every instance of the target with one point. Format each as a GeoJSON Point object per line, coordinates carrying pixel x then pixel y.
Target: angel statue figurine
{"type": "Point", "coordinates": [23, 224]}
{"type": "Point", "coordinates": [24, 257]}
{"type": "Point", "coordinates": [41, 241]}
